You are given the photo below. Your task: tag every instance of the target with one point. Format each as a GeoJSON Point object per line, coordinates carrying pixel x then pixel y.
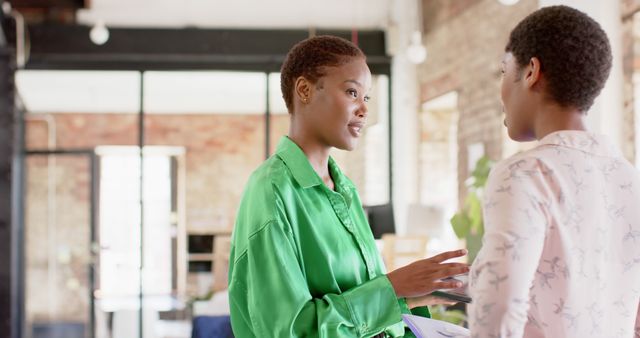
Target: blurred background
{"type": "Point", "coordinates": [129, 129]}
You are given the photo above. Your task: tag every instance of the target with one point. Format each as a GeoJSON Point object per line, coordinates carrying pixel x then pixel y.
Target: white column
{"type": "Point", "coordinates": [606, 115]}
{"type": "Point", "coordinates": [406, 100]}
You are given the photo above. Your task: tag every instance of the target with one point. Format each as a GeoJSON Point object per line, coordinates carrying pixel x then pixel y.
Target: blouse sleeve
{"type": "Point", "coordinates": [504, 270]}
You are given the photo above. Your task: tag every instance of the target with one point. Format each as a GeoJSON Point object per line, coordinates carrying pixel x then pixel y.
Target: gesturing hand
{"type": "Point", "coordinates": [425, 276]}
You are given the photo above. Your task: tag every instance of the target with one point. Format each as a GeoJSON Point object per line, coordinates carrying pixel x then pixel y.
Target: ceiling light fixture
{"type": "Point", "coordinates": [416, 52]}
{"type": "Point", "coordinates": [99, 34]}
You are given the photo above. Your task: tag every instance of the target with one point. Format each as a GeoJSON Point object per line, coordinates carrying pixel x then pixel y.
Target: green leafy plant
{"type": "Point", "coordinates": [197, 298]}
{"type": "Point", "coordinates": [467, 223]}
{"type": "Point", "coordinates": [440, 312]}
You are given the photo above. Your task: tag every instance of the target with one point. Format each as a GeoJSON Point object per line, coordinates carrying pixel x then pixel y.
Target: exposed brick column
{"type": "Point", "coordinates": [465, 50]}
{"type": "Point", "coordinates": [628, 11]}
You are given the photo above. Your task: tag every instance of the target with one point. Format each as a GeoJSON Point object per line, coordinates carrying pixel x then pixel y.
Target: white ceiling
{"type": "Point", "coordinates": [338, 14]}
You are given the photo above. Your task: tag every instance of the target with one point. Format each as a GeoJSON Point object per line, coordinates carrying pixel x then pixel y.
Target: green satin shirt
{"type": "Point", "coordinates": [303, 260]}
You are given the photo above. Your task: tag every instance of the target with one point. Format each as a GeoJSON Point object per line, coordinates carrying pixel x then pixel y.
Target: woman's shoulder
{"type": "Point", "coordinates": [529, 165]}
{"type": "Point", "coordinates": [267, 187]}
{"type": "Point", "coordinates": [260, 199]}
{"type": "Point", "coordinates": [270, 174]}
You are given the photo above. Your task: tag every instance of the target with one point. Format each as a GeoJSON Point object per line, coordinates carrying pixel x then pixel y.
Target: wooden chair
{"type": "Point", "coordinates": [398, 251]}
{"type": "Point", "coordinates": [221, 253]}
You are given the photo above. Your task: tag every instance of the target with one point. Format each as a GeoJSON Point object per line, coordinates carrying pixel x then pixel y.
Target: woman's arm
{"type": "Point", "coordinates": [505, 267]}
{"type": "Point", "coordinates": [269, 293]}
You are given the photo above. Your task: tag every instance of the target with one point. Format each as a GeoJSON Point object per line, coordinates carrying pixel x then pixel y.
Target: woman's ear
{"type": "Point", "coordinates": [532, 72]}
{"type": "Point", "coordinates": [303, 89]}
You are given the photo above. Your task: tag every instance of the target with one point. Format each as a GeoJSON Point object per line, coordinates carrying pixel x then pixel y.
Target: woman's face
{"type": "Point", "coordinates": [515, 100]}
{"type": "Point", "coordinates": [337, 110]}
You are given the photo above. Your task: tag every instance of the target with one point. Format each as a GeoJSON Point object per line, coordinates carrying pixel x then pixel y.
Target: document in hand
{"type": "Point", "coordinates": [430, 328]}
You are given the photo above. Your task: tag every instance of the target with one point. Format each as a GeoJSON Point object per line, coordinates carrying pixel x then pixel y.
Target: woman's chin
{"type": "Point", "coordinates": [347, 145]}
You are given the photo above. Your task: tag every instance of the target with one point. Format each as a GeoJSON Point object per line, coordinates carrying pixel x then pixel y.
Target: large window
{"type": "Point", "coordinates": [68, 114]}
{"type": "Point", "coordinates": [109, 229]}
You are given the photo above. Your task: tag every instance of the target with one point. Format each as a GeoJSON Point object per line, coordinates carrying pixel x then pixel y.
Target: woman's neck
{"type": "Point", "coordinates": [552, 118]}
{"type": "Point", "coordinates": [317, 154]}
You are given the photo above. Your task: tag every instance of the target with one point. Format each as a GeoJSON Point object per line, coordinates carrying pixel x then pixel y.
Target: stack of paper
{"type": "Point", "coordinates": [430, 328]}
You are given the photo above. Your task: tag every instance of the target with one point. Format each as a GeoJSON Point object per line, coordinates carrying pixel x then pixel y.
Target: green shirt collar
{"type": "Point", "coordinates": [295, 159]}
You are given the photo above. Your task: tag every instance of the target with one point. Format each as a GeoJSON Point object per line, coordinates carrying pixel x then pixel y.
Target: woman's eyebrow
{"type": "Point", "coordinates": [354, 82]}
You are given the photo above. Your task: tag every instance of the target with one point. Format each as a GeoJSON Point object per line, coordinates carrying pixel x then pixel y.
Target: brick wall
{"type": "Point", "coordinates": [464, 56]}
{"type": "Point", "coordinates": [437, 13]}
{"type": "Point", "coordinates": [221, 152]}
{"type": "Point", "coordinates": [630, 66]}
{"type": "Point", "coordinates": [628, 119]}
{"type": "Point", "coordinates": [57, 254]}
{"type": "Point", "coordinates": [437, 163]}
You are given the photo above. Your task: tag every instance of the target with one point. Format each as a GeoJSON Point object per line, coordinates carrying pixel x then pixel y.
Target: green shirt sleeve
{"type": "Point", "coordinates": [269, 290]}
{"type": "Point", "coordinates": [303, 260]}
{"type": "Point", "coordinates": [422, 311]}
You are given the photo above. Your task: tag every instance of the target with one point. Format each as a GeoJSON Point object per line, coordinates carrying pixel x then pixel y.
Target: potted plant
{"type": "Point", "coordinates": [468, 225]}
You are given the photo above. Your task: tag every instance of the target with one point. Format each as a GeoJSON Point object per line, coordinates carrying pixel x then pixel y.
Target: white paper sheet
{"type": "Point", "coordinates": [430, 328]}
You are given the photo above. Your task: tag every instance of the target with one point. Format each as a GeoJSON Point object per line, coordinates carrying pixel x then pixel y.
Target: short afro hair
{"type": "Point", "coordinates": [573, 50]}
{"type": "Point", "coordinates": [310, 57]}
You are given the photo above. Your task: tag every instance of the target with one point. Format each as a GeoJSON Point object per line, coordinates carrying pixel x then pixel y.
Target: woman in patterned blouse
{"type": "Point", "coordinates": [561, 251]}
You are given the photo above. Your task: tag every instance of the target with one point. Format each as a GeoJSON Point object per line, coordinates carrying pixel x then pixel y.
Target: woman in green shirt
{"type": "Point", "coordinates": [303, 260]}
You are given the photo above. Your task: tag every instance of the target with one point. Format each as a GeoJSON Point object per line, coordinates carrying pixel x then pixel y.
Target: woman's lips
{"type": "Point", "coordinates": [355, 128]}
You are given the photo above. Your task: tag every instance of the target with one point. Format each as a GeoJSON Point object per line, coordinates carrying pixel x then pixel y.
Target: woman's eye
{"type": "Point", "coordinates": [353, 93]}
{"type": "Point", "coordinates": [367, 98]}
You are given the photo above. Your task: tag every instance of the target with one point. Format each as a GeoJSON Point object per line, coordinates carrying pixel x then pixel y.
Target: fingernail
{"type": "Point", "coordinates": [458, 284]}
{"type": "Point", "coordinates": [463, 251]}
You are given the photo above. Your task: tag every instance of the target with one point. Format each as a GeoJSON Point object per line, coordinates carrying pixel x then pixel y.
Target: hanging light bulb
{"type": "Point", "coordinates": [99, 34]}
{"type": "Point", "coordinates": [417, 52]}
{"type": "Point", "coordinates": [508, 2]}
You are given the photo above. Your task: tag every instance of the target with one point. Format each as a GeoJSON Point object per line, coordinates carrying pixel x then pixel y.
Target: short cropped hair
{"type": "Point", "coordinates": [573, 50]}
{"type": "Point", "coordinates": [310, 58]}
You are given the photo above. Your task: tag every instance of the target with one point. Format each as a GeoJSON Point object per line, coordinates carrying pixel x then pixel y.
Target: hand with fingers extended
{"type": "Point", "coordinates": [422, 277]}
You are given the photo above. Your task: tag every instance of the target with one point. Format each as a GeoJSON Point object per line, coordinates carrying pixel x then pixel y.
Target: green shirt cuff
{"type": "Point", "coordinates": [373, 306]}
{"type": "Point", "coordinates": [421, 311]}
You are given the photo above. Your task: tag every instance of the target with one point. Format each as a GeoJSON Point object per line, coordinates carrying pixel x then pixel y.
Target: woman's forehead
{"type": "Point", "coordinates": [350, 73]}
